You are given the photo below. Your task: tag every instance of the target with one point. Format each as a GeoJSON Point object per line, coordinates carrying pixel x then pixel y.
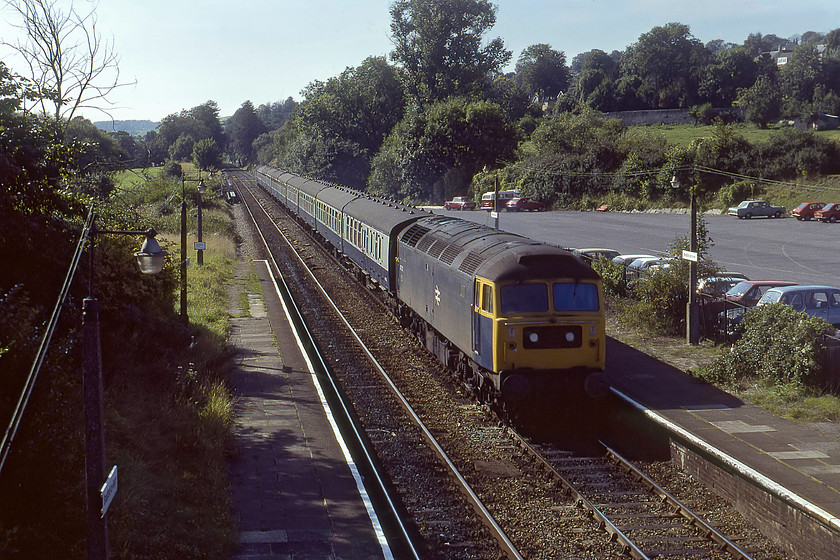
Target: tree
{"type": "Point", "coordinates": [761, 102]}
{"type": "Point", "coordinates": [439, 45]}
{"type": "Point", "coordinates": [206, 154]}
{"type": "Point", "coordinates": [667, 61]}
{"type": "Point", "coordinates": [70, 65]}
{"type": "Point", "coordinates": [244, 127]}
{"type": "Point", "coordinates": [273, 115]}
{"type": "Point", "coordinates": [596, 80]}
{"type": "Point", "coordinates": [733, 69]}
{"type": "Point", "coordinates": [342, 122]}
{"type": "Point", "coordinates": [198, 123]}
{"type": "Point", "coordinates": [433, 153]}
{"type": "Point", "coordinates": [543, 70]}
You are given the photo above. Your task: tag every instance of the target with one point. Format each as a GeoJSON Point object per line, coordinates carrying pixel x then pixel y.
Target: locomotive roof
{"type": "Point", "coordinates": [498, 256]}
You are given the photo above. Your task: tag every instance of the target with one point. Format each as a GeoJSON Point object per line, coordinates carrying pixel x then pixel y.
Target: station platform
{"type": "Point", "coordinates": [294, 489]}
{"type": "Point", "coordinates": [796, 465]}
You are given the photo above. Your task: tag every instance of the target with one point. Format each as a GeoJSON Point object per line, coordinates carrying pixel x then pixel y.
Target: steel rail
{"type": "Point", "coordinates": [710, 532]}
{"type": "Point", "coordinates": [487, 518]}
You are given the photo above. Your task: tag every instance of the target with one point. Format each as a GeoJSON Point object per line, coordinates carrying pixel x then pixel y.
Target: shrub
{"type": "Point", "coordinates": [779, 347]}
{"type": "Point", "coordinates": [173, 168]}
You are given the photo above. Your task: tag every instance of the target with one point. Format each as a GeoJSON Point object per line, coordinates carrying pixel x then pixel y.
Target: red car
{"type": "Point", "coordinates": [459, 203]}
{"type": "Point", "coordinates": [806, 210]}
{"type": "Point", "coordinates": [524, 203]}
{"type": "Point", "coordinates": [829, 213]}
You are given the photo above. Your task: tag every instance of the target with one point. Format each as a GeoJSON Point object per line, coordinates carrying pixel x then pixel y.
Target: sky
{"type": "Point", "coordinates": [182, 53]}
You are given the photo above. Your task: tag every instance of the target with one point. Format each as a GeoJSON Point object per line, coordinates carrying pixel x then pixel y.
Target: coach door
{"type": "Point", "coordinates": [483, 320]}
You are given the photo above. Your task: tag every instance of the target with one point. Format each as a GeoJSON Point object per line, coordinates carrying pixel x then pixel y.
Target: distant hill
{"type": "Point", "coordinates": [132, 127]}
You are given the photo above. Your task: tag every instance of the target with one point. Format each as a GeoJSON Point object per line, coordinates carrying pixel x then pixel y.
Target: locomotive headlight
{"type": "Point", "coordinates": [570, 336]}
{"type": "Point", "coordinates": [534, 337]}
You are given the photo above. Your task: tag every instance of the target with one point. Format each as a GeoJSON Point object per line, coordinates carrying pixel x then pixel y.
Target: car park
{"type": "Point", "coordinates": [590, 254]}
{"type": "Point", "coordinates": [520, 203]}
{"type": "Point", "coordinates": [459, 203]}
{"type": "Point", "coordinates": [816, 301]}
{"type": "Point", "coordinates": [806, 210]}
{"type": "Point", "coordinates": [751, 208]}
{"type": "Point", "coordinates": [829, 213]}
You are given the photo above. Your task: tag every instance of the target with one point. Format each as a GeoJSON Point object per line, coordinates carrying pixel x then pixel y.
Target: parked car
{"type": "Point", "coordinates": [488, 199]}
{"type": "Point", "coordinates": [749, 292]}
{"type": "Point", "coordinates": [816, 301]}
{"type": "Point", "coordinates": [750, 208]}
{"type": "Point", "coordinates": [806, 210]}
{"type": "Point", "coordinates": [459, 203]}
{"type": "Point", "coordinates": [590, 254]}
{"type": "Point", "coordinates": [729, 310]}
{"type": "Point", "coordinates": [625, 260]}
{"type": "Point", "coordinates": [524, 203]}
{"type": "Point", "coordinates": [636, 268]}
{"type": "Point", "coordinates": [718, 285]}
{"type": "Point", "coordinates": [829, 213]}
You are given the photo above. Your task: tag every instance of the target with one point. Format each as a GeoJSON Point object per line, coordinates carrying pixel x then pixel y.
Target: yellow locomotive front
{"type": "Point", "coordinates": [547, 334]}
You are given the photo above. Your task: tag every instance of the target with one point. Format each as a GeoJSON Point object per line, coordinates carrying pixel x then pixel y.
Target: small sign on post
{"type": "Point", "coordinates": [689, 256]}
{"type": "Point", "coordinates": [108, 490]}
{"type": "Point", "coordinates": [200, 245]}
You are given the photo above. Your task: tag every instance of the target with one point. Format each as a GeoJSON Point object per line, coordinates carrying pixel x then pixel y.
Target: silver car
{"type": "Point", "coordinates": [816, 301]}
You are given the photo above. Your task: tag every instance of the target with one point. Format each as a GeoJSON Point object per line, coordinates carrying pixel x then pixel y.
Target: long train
{"type": "Point", "coordinates": [512, 317]}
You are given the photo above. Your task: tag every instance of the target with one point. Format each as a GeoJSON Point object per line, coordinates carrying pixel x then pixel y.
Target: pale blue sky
{"type": "Point", "coordinates": [184, 52]}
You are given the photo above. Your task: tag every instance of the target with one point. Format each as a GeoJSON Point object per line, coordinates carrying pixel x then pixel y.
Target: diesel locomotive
{"type": "Point", "coordinates": [511, 317]}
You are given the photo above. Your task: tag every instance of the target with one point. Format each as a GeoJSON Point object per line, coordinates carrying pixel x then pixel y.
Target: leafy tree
{"type": "Point", "coordinates": [439, 45]}
{"type": "Point", "coordinates": [199, 123]}
{"type": "Point", "coordinates": [733, 69]}
{"type": "Point", "coordinates": [510, 96]}
{"type": "Point", "coordinates": [761, 102]}
{"type": "Point", "coordinates": [596, 81]}
{"type": "Point", "coordinates": [206, 154]}
{"type": "Point", "coordinates": [573, 151]}
{"type": "Point", "coordinates": [432, 154]}
{"type": "Point", "coordinates": [543, 70]}
{"type": "Point", "coordinates": [182, 148]}
{"type": "Point", "coordinates": [341, 123]}
{"type": "Point", "coordinates": [243, 128]}
{"type": "Point", "coordinates": [273, 115]}
{"type": "Point", "coordinates": [802, 74]}
{"type": "Point", "coordinates": [70, 66]}
{"type": "Point", "coordinates": [667, 61]}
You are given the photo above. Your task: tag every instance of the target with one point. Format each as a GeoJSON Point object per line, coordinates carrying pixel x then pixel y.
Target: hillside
{"type": "Point", "coordinates": [131, 127]}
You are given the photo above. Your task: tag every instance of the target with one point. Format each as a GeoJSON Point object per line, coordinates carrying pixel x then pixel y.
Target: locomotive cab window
{"type": "Point", "coordinates": [524, 298]}
{"type": "Point", "coordinates": [484, 297]}
{"type": "Point", "coordinates": [575, 296]}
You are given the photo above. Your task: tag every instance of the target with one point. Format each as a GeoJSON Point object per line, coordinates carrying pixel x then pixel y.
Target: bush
{"type": "Point", "coordinates": [173, 169]}
{"type": "Point", "coordinates": [779, 347]}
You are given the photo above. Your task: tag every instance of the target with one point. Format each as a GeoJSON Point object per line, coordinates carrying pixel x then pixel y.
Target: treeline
{"type": "Point", "coordinates": [439, 118]}
{"type": "Point", "coordinates": [425, 126]}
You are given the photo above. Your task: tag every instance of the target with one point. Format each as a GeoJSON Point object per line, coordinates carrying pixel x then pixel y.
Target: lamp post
{"type": "Point", "coordinates": [692, 311]}
{"type": "Point", "coordinates": [184, 260]}
{"type": "Point", "coordinates": [200, 246]}
{"type": "Point", "coordinates": [150, 259]}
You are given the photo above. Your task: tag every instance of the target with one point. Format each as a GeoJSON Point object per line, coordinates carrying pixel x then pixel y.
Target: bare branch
{"type": "Point", "coordinates": [69, 63]}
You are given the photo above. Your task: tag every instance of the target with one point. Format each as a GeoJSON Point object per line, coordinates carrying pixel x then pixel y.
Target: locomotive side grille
{"type": "Point", "coordinates": [450, 253]}
{"type": "Point", "coordinates": [436, 249]}
{"type": "Point", "coordinates": [471, 263]}
{"type": "Point", "coordinates": [555, 336]}
{"type": "Point", "coordinates": [413, 235]}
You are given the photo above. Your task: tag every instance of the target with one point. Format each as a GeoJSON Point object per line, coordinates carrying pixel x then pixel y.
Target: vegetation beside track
{"type": "Point", "coordinates": [168, 412]}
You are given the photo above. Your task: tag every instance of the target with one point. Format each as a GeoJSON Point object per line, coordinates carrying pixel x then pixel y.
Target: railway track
{"type": "Point", "coordinates": [523, 501]}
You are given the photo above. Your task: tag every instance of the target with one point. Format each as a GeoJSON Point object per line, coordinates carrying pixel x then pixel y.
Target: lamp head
{"type": "Point", "coordinates": [202, 188]}
{"type": "Point", "coordinates": [150, 257]}
{"type": "Point", "coordinates": [675, 183]}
